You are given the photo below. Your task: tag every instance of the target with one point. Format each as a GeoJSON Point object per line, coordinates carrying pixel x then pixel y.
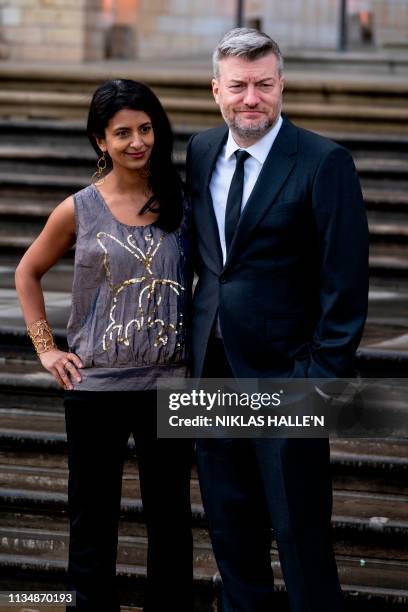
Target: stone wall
{"type": "Point", "coordinates": [122, 34]}
{"type": "Point", "coordinates": [192, 27]}
{"type": "Point", "coordinates": [391, 23]}
{"type": "Point", "coordinates": [94, 30]}
{"type": "Point", "coordinates": [62, 31]}
{"type": "Point", "coordinates": [302, 24]}
{"type": "Point", "coordinates": [74, 31]}
{"type": "Point", "coordinates": [182, 28]}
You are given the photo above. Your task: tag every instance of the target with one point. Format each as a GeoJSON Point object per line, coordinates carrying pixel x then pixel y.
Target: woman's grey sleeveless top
{"type": "Point", "coordinates": [129, 300]}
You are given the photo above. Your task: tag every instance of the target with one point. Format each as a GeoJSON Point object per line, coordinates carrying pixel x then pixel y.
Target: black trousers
{"type": "Point", "coordinates": [253, 488]}
{"type": "Point", "coordinates": [98, 428]}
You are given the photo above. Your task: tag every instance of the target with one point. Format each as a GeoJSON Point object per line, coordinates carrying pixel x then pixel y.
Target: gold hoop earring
{"type": "Point", "coordinates": [97, 177]}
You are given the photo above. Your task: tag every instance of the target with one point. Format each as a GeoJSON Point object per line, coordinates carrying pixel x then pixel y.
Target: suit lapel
{"type": "Point", "coordinates": [205, 216]}
{"type": "Point", "coordinates": [275, 170]}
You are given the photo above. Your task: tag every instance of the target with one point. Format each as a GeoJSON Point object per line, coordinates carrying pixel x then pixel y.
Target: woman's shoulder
{"type": "Point", "coordinates": [87, 200]}
{"type": "Point", "coordinates": [86, 206]}
{"type": "Point", "coordinates": [86, 193]}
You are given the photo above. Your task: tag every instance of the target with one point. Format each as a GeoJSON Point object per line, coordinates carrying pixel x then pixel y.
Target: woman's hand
{"type": "Point", "coordinates": [63, 366]}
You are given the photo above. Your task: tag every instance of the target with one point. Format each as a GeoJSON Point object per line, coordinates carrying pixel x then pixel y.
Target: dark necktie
{"type": "Point", "coordinates": [234, 200]}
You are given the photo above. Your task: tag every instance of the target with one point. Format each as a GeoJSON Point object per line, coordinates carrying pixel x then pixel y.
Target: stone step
{"type": "Point", "coordinates": [24, 216]}
{"type": "Point", "coordinates": [360, 467]}
{"type": "Point", "coordinates": [48, 160]}
{"type": "Point", "coordinates": [202, 111]}
{"type": "Point", "coordinates": [327, 74]}
{"type": "Point", "coordinates": [27, 375]}
{"type": "Point", "coordinates": [43, 132]}
{"type": "Point", "coordinates": [34, 554]}
{"type": "Point", "coordinates": [82, 167]}
{"type": "Point", "coordinates": [380, 355]}
{"type": "Point", "coordinates": [26, 388]}
{"type": "Point", "coordinates": [389, 154]}
{"type": "Point", "coordinates": [381, 169]}
{"type": "Point", "coordinates": [386, 226]}
{"type": "Point", "coordinates": [71, 136]}
{"type": "Point", "coordinates": [388, 261]}
{"type": "Point", "coordinates": [68, 183]}
{"type": "Point", "coordinates": [382, 362]}
{"type": "Point", "coordinates": [44, 551]}
{"type": "Point", "coordinates": [387, 319]}
{"type": "Point", "coordinates": [385, 199]}
{"type": "Point", "coordinates": [36, 196]}
{"type": "Point", "coordinates": [64, 159]}
{"type": "Point", "coordinates": [387, 185]}
{"type": "Point", "coordinates": [34, 145]}
{"type": "Point", "coordinates": [59, 278]}
{"type": "Point", "coordinates": [371, 144]}
{"type": "Point", "coordinates": [17, 245]}
{"type": "Point", "coordinates": [18, 231]}
{"type": "Point", "coordinates": [37, 152]}
{"type": "Point", "coordinates": [362, 567]}
{"type": "Point", "coordinates": [43, 104]}
{"type": "Point", "coordinates": [358, 65]}
{"type": "Point", "coordinates": [22, 209]}
{"type": "Point", "coordinates": [16, 211]}
{"type": "Point", "coordinates": [38, 482]}
{"type": "Point", "coordinates": [32, 423]}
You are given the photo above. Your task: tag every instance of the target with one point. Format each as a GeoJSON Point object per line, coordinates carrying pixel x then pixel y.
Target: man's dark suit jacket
{"type": "Point", "coordinates": [292, 295]}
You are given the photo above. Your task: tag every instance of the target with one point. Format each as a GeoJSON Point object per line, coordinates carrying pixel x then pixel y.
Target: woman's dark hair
{"type": "Point", "coordinates": [116, 95]}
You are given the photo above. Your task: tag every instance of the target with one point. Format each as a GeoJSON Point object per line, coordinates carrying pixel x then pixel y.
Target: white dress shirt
{"type": "Point", "coordinates": [225, 167]}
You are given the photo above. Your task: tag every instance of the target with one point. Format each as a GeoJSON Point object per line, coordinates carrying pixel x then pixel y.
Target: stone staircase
{"type": "Point", "coordinates": [370, 516]}
{"type": "Point", "coordinates": [45, 156]}
{"type": "Point", "coordinates": [325, 99]}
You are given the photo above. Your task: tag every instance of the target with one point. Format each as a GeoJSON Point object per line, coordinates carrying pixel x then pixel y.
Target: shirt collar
{"type": "Point", "coordinates": [260, 149]}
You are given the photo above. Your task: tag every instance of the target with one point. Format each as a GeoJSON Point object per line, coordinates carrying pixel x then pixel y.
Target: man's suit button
{"type": "Point", "coordinates": [223, 279]}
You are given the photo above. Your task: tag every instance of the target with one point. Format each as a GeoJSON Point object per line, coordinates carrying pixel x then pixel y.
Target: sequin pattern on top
{"type": "Point", "coordinates": [129, 291]}
{"type": "Point", "coordinates": [150, 297]}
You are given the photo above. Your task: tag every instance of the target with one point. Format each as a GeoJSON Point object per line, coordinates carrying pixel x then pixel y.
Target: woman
{"type": "Point", "coordinates": [130, 300]}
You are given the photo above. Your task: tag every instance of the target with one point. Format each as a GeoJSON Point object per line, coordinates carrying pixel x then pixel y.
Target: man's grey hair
{"type": "Point", "coordinates": [247, 43]}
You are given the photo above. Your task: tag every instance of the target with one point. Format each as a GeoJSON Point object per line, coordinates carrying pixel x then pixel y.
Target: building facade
{"type": "Point", "coordinates": [76, 31]}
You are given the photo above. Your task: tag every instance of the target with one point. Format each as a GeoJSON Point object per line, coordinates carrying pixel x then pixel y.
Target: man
{"type": "Point", "coordinates": [282, 292]}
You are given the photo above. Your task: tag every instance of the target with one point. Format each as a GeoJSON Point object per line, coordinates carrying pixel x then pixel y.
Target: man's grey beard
{"type": "Point", "coordinates": [250, 132]}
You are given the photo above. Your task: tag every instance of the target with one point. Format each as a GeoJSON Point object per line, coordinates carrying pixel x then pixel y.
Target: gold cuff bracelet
{"type": "Point", "coordinates": [41, 336]}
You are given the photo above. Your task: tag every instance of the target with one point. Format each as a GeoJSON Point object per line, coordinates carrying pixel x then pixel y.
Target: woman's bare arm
{"type": "Point", "coordinates": [57, 237]}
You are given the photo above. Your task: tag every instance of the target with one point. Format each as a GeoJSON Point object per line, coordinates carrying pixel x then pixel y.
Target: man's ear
{"type": "Point", "coordinates": [282, 83]}
{"type": "Point", "coordinates": [215, 89]}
